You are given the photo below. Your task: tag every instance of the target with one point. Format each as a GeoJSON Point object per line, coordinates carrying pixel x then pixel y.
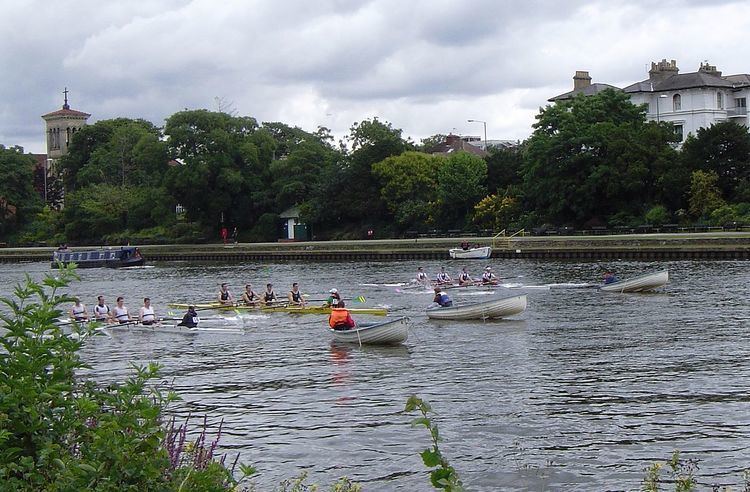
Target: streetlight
{"type": "Point", "coordinates": [661, 96]}
{"type": "Point", "coordinates": [485, 131]}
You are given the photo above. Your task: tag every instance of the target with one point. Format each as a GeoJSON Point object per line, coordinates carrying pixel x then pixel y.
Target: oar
{"type": "Point", "coordinates": [360, 299]}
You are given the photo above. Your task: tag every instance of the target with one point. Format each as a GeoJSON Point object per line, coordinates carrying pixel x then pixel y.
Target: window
{"type": "Point", "coordinates": [740, 102]}
{"type": "Point", "coordinates": [678, 131]}
{"type": "Point", "coordinates": [676, 102]}
{"type": "Point", "coordinates": [84, 256]}
{"type": "Point", "coordinates": [719, 100]}
{"type": "Point", "coordinates": [94, 255]}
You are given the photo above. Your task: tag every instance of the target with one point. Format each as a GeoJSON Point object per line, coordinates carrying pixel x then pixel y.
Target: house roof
{"type": "Point", "coordinates": [66, 112]}
{"type": "Point", "coordinates": [741, 79]}
{"type": "Point", "coordinates": [680, 81]}
{"type": "Point", "coordinates": [454, 144]}
{"type": "Point", "coordinates": [290, 213]}
{"type": "Point", "coordinates": [589, 90]}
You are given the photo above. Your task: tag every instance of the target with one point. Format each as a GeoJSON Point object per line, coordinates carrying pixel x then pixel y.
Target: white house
{"type": "Point", "coordinates": [689, 100]}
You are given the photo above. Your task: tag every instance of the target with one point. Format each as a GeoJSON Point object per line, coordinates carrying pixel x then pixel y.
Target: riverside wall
{"type": "Point", "coordinates": [707, 246]}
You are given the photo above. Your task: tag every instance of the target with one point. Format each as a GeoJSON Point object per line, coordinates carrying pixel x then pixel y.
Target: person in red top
{"type": "Point", "coordinates": [340, 319]}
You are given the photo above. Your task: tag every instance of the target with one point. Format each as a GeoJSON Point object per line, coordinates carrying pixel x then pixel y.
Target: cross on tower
{"type": "Point", "coordinates": [65, 105]}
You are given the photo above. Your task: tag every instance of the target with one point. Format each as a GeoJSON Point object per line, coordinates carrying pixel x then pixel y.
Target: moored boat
{"type": "Point", "coordinates": [390, 331]}
{"type": "Point", "coordinates": [125, 256]}
{"type": "Point", "coordinates": [471, 253]}
{"type": "Point", "coordinates": [642, 283]}
{"type": "Point", "coordinates": [494, 308]}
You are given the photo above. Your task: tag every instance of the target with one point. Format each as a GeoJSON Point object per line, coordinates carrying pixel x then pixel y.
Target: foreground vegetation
{"type": "Point", "coordinates": [590, 162]}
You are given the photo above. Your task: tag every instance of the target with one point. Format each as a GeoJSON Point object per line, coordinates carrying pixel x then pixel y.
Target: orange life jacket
{"type": "Point", "coordinates": [338, 317]}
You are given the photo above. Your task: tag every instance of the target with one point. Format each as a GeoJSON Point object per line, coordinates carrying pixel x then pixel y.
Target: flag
{"type": "Point", "coordinates": [360, 299]}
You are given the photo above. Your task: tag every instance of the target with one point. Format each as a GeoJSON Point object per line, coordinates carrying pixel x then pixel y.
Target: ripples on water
{"type": "Point", "coordinates": [580, 392]}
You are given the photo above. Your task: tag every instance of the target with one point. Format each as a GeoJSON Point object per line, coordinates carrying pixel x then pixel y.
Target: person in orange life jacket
{"type": "Point", "coordinates": [340, 319]}
{"type": "Point", "coordinates": [295, 296]}
{"type": "Point", "coordinates": [442, 298]}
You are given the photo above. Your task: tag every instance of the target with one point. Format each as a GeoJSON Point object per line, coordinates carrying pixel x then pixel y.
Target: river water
{"type": "Point", "coordinates": [582, 391]}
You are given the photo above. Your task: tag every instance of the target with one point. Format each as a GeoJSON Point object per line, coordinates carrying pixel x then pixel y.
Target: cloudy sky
{"type": "Point", "coordinates": [427, 66]}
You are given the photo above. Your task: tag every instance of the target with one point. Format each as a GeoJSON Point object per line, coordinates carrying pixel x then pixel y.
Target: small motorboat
{"type": "Point", "coordinates": [391, 331]}
{"type": "Point", "coordinates": [644, 283]}
{"type": "Point", "coordinates": [471, 253]}
{"type": "Point", "coordinates": [126, 256]}
{"type": "Point", "coordinates": [495, 308]}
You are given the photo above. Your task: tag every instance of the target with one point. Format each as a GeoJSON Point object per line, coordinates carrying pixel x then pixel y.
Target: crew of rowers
{"type": "Point", "coordinates": [442, 278]}
{"type": "Point", "coordinates": [117, 314]}
{"type": "Point", "coordinates": [268, 297]}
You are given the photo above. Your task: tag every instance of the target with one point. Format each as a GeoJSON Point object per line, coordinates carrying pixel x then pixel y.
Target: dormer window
{"type": "Point", "coordinates": [676, 102]}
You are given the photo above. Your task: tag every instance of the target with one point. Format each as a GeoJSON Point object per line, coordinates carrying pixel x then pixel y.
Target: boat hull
{"type": "Point", "coordinates": [282, 309]}
{"type": "Point", "coordinates": [644, 283]}
{"type": "Point", "coordinates": [470, 254]}
{"type": "Point", "coordinates": [389, 332]}
{"type": "Point", "coordinates": [126, 256]}
{"type": "Point", "coordinates": [495, 308]}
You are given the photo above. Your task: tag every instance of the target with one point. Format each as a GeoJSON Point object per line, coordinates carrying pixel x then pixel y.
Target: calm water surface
{"type": "Point", "coordinates": [580, 392]}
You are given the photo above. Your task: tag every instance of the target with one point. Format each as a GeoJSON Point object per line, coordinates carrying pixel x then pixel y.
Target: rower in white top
{"type": "Point", "coordinates": [443, 278]}
{"type": "Point", "coordinates": [78, 311]}
{"type": "Point", "coordinates": [488, 277]}
{"type": "Point", "coordinates": [422, 277]}
{"type": "Point", "coordinates": [464, 278]}
{"type": "Point", "coordinates": [120, 312]}
{"type": "Point", "coordinates": [147, 316]}
{"type": "Point", "coordinates": [101, 311]}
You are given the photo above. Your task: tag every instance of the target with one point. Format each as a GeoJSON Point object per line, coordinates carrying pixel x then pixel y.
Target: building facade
{"type": "Point", "coordinates": [689, 101]}
{"type": "Point", "coordinates": [61, 125]}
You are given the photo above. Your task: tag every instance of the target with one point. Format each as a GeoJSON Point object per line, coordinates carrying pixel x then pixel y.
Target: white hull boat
{"type": "Point", "coordinates": [495, 308]}
{"type": "Point", "coordinates": [216, 324]}
{"type": "Point", "coordinates": [644, 283]}
{"type": "Point", "coordinates": [471, 253]}
{"type": "Point", "coordinates": [391, 331]}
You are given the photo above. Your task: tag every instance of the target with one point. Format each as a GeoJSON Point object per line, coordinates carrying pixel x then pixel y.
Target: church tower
{"type": "Point", "coordinates": [61, 125]}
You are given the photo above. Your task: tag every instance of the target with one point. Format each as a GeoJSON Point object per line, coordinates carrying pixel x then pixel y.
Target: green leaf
{"type": "Point", "coordinates": [430, 457]}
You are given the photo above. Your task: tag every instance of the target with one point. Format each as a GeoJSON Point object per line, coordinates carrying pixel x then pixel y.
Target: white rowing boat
{"type": "Point", "coordinates": [471, 253]}
{"type": "Point", "coordinates": [218, 324]}
{"type": "Point", "coordinates": [391, 331]}
{"type": "Point", "coordinates": [643, 283]}
{"type": "Point", "coordinates": [495, 308]}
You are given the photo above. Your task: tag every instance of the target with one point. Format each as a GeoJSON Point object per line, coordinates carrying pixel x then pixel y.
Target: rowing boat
{"type": "Point", "coordinates": [390, 331]}
{"type": "Point", "coordinates": [643, 283]}
{"type": "Point", "coordinates": [322, 310]}
{"type": "Point", "coordinates": [284, 308]}
{"type": "Point", "coordinates": [495, 308]}
{"type": "Point", "coordinates": [471, 253]}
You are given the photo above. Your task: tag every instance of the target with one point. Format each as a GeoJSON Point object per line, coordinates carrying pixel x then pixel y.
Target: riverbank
{"type": "Point", "coordinates": [709, 246]}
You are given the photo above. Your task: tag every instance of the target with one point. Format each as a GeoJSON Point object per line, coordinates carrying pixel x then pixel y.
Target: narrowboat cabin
{"type": "Point", "coordinates": [125, 256]}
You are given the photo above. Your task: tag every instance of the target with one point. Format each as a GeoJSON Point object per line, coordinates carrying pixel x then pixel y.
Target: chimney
{"type": "Point", "coordinates": [581, 80]}
{"type": "Point", "coordinates": [452, 140]}
{"type": "Point", "coordinates": [711, 69]}
{"type": "Point", "coordinates": [662, 70]}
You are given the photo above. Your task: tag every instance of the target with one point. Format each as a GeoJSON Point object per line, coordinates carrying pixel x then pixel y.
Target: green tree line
{"type": "Point", "coordinates": [590, 161]}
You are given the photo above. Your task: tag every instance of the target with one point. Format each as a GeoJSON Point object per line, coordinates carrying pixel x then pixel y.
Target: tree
{"type": "Point", "coordinates": [725, 149]}
{"type": "Point", "coordinates": [408, 186]}
{"type": "Point", "coordinates": [705, 195]}
{"type": "Point", "coordinates": [590, 156]}
{"type": "Point", "coordinates": [19, 201]}
{"type": "Point", "coordinates": [504, 168]}
{"type": "Point", "coordinates": [461, 184]}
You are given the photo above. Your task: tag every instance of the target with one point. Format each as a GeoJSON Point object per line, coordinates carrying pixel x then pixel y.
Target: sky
{"type": "Point", "coordinates": [425, 66]}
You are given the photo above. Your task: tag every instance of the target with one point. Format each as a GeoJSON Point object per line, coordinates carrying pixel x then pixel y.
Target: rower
{"type": "Point", "coordinates": [444, 278]}
{"type": "Point", "coordinates": [101, 311]}
{"type": "Point", "coordinates": [340, 318]}
{"type": "Point", "coordinates": [295, 296]}
{"type": "Point", "coordinates": [464, 278]}
{"type": "Point", "coordinates": [442, 298]}
{"type": "Point", "coordinates": [249, 297]}
{"type": "Point", "coordinates": [609, 278]}
{"type": "Point", "coordinates": [120, 312]}
{"type": "Point", "coordinates": [146, 315]}
{"type": "Point", "coordinates": [190, 320]}
{"type": "Point", "coordinates": [269, 296]}
{"type": "Point", "coordinates": [333, 299]}
{"type": "Point", "coordinates": [488, 277]}
{"type": "Point", "coordinates": [225, 297]}
{"type": "Point", "coordinates": [78, 311]}
{"type": "Point", "coordinates": [422, 277]}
